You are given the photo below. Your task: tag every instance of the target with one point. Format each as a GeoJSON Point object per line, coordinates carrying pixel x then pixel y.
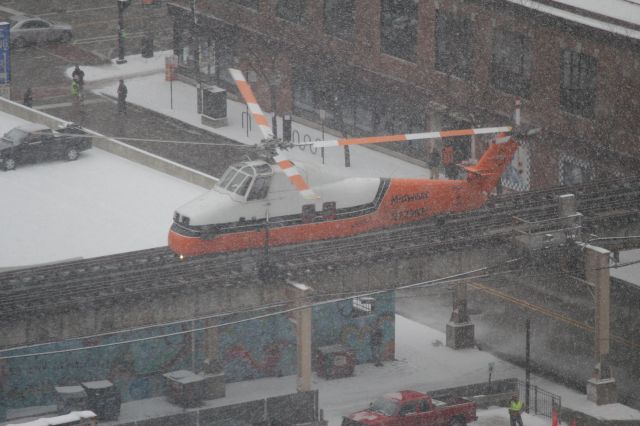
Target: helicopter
{"type": "Point", "coordinates": [273, 201]}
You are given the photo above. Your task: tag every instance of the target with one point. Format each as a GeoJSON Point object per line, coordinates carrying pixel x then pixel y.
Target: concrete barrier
{"type": "Point", "coordinates": [496, 393]}
{"type": "Point", "coordinates": [113, 146]}
{"type": "Point", "coordinates": [567, 416]}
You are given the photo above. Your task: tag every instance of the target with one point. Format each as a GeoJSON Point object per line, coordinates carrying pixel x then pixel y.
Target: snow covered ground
{"type": "Point", "coordinates": [100, 204]}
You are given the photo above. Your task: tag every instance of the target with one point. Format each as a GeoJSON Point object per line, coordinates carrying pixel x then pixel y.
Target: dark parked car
{"type": "Point", "coordinates": [31, 143]}
{"type": "Point", "coordinates": [27, 30]}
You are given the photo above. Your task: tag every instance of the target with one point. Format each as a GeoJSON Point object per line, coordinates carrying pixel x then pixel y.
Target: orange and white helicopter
{"type": "Point", "coordinates": [272, 201]}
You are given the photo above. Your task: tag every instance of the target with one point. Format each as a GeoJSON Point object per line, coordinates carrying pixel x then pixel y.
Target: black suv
{"type": "Point", "coordinates": [31, 143]}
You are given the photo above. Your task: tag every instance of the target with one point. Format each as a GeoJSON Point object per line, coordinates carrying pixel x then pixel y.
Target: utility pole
{"type": "Point", "coordinates": [122, 5]}
{"type": "Point", "coordinates": [527, 370]}
{"type": "Point", "coordinates": [195, 34]}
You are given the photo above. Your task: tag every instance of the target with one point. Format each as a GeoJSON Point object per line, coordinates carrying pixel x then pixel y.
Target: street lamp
{"type": "Point", "coordinates": [122, 5]}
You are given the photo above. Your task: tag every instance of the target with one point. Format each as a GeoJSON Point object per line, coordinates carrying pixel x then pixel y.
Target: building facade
{"type": "Point", "coordinates": [396, 66]}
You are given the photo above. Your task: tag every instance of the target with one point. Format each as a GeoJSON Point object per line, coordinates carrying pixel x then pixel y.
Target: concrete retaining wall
{"type": "Point", "coordinates": [113, 146]}
{"type": "Point", "coordinates": [484, 394]}
{"type": "Point", "coordinates": [567, 416]}
{"type": "Point", "coordinates": [292, 409]}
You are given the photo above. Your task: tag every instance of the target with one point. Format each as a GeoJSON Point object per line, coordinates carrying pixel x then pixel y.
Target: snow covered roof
{"type": "Point", "coordinates": [620, 17]}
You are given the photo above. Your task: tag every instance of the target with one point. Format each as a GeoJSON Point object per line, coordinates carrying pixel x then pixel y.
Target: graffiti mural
{"type": "Point", "coordinates": [264, 347]}
{"type": "Point", "coordinates": [135, 368]}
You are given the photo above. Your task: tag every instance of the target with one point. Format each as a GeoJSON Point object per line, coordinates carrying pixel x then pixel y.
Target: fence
{"type": "Point", "coordinates": [540, 401]}
{"type": "Point", "coordinates": [498, 392]}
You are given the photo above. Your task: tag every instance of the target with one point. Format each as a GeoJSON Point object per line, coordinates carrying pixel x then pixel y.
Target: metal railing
{"type": "Point", "coordinates": [541, 402]}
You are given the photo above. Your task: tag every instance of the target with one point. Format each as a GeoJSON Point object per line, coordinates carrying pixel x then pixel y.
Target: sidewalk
{"type": "Point", "coordinates": [136, 66]}
{"type": "Point", "coordinates": [147, 88]}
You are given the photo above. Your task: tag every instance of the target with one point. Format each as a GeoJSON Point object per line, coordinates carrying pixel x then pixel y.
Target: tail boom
{"type": "Point", "coordinates": [492, 164]}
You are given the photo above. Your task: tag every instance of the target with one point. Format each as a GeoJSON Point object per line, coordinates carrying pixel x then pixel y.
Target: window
{"type": "Point", "coordinates": [398, 28]}
{"type": "Point", "coordinates": [339, 18]}
{"type": "Point", "coordinates": [408, 409]}
{"type": "Point", "coordinates": [453, 44]}
{"type": "Point", "coordinates": [291, 10]}
{"type": "Point", "coordinates": [511, 62]}
{"type": "Point", "coordinates": [574, 171]}
{"type": "Point", "coordinates": [251, 4]}
{"type": "Point", "coordinates": [260, 188]}
{"type": "Point", "coordinates": [40, 24]}
{"type": "Point", "coordinates": [578, 85]}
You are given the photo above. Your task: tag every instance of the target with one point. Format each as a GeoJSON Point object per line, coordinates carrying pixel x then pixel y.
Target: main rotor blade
{"type": "Point", "coordinates": [252, 103]}
{"type": "Point", "coordinates": [405, 137]}
{"type": "Point", "coordinates": [292, 172]}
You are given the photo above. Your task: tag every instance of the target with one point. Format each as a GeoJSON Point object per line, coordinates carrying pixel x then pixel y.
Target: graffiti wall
{"type": "Point", "coordinates": [246, 350]}
{"type": "Point", "coordinates": [135, 368]}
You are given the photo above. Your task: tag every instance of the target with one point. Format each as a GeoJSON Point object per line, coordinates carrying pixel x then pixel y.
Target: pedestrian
{"type": "Point", "coordinates": [75, 91]}
{"type": "Point", "coordinates": [122, 98]}
{"type": "Point", "coordinates": [434, 164]}
{"type": "Point", "coordinates": [450, 169]}
{"type": "Point", "coordinates": [515, 410]}
{"type": "Point", "coordinates": [376, 345]}
{"type": "Point", "coordinates": [78, 75]}
{"type": "Point", "coordinates": [76, 97]}
{"type": "Point", "coordinates": [28, 98]}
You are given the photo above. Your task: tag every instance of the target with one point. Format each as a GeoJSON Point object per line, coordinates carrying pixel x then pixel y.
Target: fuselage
{"type": "Point", "coordinates": [391, 202]}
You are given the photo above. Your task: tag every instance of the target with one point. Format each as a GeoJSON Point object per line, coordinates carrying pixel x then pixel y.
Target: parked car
{"type": "Point", "coordinates": [31, 143]}
{"type": "Point", "coordinates": [413, 408]}
{"type": "Point", "coordinates": [26, 30]}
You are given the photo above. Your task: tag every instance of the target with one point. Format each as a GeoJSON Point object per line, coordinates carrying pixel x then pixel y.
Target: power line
{"type": "Point", "coordinates": [438, 281]}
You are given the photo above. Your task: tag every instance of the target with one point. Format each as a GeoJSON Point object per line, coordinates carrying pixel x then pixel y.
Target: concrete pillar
{"type": "Point", "coordinates": [601, 388]}
{"type": "Point", "coordinates": [460, 330]}
{"type": "Point", "coordinates": [215, 383]}
{"type": "Point", "coordinates": [298, 294]}
{"type": "Point", "coordinates": [212, 358]}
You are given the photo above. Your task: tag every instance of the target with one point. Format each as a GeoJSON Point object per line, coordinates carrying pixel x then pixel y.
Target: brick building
{"type": "Point", "coordinates": [396, 66]}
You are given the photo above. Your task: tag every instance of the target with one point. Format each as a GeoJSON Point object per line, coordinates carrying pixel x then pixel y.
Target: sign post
{"type": "Point", "coordinates": [5, 61]}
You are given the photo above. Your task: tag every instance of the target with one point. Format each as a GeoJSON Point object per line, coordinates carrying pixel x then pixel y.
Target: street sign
{"type": "Point", "coordinates": [5, 59]}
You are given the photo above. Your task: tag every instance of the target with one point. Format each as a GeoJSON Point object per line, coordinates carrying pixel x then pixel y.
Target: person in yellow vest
{"type": "Point", "coordinates": [515, 410]}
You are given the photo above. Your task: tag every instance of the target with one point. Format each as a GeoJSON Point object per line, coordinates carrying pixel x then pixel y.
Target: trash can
{"type": "Point", "coordinates": [334, 361]}
{"type": "Point", "coordinates": [70, 398]}
{"type": "Point", "coordinates": [146, 46]}
{"type": "Point", "coordinates": [213, 105]}
{"type": "Point", "coordinates": [185, 388]}
{"type": "Point", "coordinates": [103, 398]}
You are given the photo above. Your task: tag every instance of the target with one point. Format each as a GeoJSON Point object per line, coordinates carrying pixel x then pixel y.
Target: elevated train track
{"type": "Point", "coordinates": [146, 272]}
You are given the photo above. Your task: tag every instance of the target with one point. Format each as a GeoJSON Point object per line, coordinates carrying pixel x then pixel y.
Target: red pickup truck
{"type": "Point", "coordinates": [412, 408]}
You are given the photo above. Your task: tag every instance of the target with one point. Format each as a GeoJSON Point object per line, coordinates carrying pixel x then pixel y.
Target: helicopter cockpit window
{"type": "Point", "coordinates": [242, 189]}
{"type": "Point", "coordinates": [236, 182]}
{"type": "Point", "coordinates": [226, 177]}
{"type": "Point", "coordinates": [260, 188]}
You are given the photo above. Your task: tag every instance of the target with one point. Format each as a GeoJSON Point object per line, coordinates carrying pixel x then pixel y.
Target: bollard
{"type": "Point", "coordinates": [554, 417]}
